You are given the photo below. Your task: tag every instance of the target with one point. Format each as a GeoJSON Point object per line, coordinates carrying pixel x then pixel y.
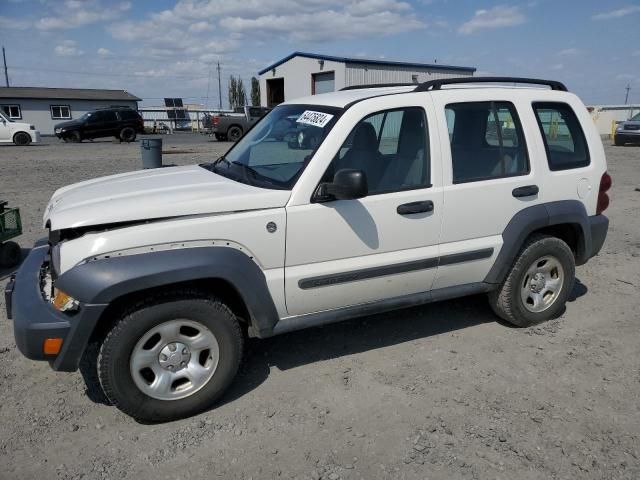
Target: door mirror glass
{"type": "Point", "coordinates": [348, 184]}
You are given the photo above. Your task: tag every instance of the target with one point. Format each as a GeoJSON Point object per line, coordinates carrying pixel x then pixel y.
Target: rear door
{"type": "Point", "coordinates": [489, 176]}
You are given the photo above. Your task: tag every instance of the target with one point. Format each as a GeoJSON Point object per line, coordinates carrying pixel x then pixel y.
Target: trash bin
{"type": "Point", "coordinates": [151, 149]}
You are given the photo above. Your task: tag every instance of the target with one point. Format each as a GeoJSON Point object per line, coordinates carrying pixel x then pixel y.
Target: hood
{"type": "Point", "coordinates": [158, 193]}
{"type": "Point", "coordinates": [70, 123]}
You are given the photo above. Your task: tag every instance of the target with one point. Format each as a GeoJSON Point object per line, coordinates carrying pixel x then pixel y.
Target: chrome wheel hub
{"type": "Point", "coordinates": [542, 284]}
{"type": "Point", "coordinates": [174, 356]}
{"type": "Point", "coordinates": [174, 360]}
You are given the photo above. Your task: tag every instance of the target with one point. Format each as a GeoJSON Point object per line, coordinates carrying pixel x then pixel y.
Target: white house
{"type": "Point", "coordinates": [44, 107]}
{"type": "Point", "coordinates": [301, 74]}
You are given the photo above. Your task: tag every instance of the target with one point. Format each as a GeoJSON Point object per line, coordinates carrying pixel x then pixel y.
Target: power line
{"type": "Point", "coordinates": [105, 74]}
{"type": "Point", "coordinates": [6, 74]}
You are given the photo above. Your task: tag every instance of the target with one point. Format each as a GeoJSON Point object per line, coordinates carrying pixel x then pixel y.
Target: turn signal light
{"type": "Point", "coordinates": [603, 197]}
{"type": "Point", "coordinates": [64, 302]}
{"type": "Point", "coordinates": [52, 346]}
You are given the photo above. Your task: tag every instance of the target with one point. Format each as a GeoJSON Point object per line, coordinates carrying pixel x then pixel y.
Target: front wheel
{"type": "Point", "coordinates": [22, 138]}
{"type": "Point", "coordinates": [10, 254]}
{"type": "Point", "coordinates": [171, 357]}
{"type": "Point", "coordinates": [618, 142]}
{"type": "Point", "coordinates": [539, 283]}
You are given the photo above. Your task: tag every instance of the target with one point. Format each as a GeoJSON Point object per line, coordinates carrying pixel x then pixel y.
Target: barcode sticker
{"type": "Point", "coordinates": [316, 119]}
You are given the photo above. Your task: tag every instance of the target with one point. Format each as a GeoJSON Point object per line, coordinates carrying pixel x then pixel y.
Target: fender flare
{"type": "Point", "coordinates": [536, 217]}
{"type": "Point", "coordinates": [103, 281]}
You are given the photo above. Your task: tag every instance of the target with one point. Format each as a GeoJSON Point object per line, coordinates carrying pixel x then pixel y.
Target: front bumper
{"type": "Point", "coordinates": [35, 136]}
{"type": "Point", "coordinates": [35, 319]}
{"type": "Point", "coordinates": [628, 136]}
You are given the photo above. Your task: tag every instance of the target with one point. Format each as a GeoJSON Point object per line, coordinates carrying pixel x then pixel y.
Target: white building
{"type": "Point", "coordinates": [301, 74]}
{"type": "Point", "coordinates": [44, 107]}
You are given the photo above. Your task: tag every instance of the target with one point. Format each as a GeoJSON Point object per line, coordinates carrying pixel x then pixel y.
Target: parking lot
{"type": "Point", "coordinates": [442, 391]}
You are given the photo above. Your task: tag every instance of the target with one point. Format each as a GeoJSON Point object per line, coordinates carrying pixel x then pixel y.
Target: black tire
{"type": "Point", "coordinates": [22, 139]}
{"type": "Point", "coordinates": [114, 357]}
{"type": "Point", "coordinates": [234, 133]}
{"type": "Point", "coordinates": [618, 142]}
{"type": "Point", "coordinates": [220, 137]}
{"type": "Point", "coordinates": [507, 301]}
{"type": "Point", "coordinates": [10, 254]}
{"type": "Point", "coordinates": [127, 134]}
{"type": "Point", "coordinates": [73, 137]}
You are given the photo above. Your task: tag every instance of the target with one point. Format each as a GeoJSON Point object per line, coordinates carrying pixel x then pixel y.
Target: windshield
{"type": "Point", "coordinates": [86, 116]}
{"type": "Point", "coordinates": [636, 117]}
{"type": "Point", "coordinates": [275, 152]}
{"type": "Point", "coordinates": [6, 119]}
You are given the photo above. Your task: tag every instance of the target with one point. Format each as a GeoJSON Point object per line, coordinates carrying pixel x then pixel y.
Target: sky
{"type": "Point", "coordinates": [162, 48]}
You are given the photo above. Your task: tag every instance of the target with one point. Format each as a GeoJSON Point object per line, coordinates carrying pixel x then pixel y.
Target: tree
{"type": "Point", "coordinates": [237, 93]}
{"type": "Point", "coordinates": [255, 92]}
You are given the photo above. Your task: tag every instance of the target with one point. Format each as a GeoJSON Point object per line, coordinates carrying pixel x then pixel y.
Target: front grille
{"type": "Point", "coordinates": [632, 127]}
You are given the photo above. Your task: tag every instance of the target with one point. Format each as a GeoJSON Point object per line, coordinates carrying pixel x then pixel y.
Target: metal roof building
{"type": "Point", "coordinates": [44, 107]}
{"type": "Point", "coordinates": [301, 74]}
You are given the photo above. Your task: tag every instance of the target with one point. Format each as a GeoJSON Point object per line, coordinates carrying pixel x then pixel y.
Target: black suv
{"type": "Point", "coordinates": [122, 123]}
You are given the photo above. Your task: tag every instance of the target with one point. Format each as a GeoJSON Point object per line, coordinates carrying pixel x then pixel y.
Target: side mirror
{"type": "Point", "coordinates": [348, 184]}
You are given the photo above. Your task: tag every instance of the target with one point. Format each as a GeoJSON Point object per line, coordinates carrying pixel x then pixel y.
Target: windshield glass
{"type": "Point", "coordinates": [86, 115]}
{"type": "Point", "coordinates": [636, 117]}
{"type": "Point", "coordinates": [274, 153]}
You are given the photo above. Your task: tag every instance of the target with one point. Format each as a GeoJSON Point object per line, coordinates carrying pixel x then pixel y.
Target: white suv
{"type": "Point", "coordinates": [331, 207]}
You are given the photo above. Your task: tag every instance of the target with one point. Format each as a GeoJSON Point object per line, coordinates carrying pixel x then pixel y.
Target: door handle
{"type": "Point", "coordinates": [526, 191]}
{"type": "Point", "coordinates": [415, 207]}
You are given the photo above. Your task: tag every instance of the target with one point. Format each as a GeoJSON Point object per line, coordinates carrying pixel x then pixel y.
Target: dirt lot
{"type": "Point", "coordinates": [443, 391]}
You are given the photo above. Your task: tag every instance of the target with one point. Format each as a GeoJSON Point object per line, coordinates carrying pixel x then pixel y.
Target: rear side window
{"type": "Point", "coordinates": [486, 141]}
{"type": "Point", "coordinates": [563, 137]}
{"type": "Point", "coordinates": [128, 114]}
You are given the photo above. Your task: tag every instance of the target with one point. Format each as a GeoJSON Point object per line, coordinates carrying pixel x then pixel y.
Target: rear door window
{"type": "Point", "coordinates": [563, 137]}
{"type": "Point", "coordinates": [486, 141]}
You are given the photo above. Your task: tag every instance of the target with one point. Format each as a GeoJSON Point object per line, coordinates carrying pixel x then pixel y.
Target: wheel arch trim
{"type": "Point", "coordinates": [537, 217]}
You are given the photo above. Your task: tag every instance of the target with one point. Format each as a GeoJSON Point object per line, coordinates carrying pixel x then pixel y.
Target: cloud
{"type": "Point", "coordinates": [104, 52]}
{"type": "Point", "coordinates": [497, 17]}
{"type": "Point", "coordinates": [557, 66]}
{"type": "Point", "coordinates": [79, 13]}
{"type": "Point", "coordinates": [13, 23]}
{"type": "Point", "coordinates": [621, 12]}
{"type": "Point", "coordinates": [200, 27]}
{"type": "Point", "coordinates": [68, 48]}
{"type": "Point", "coordinates": [569, 52]}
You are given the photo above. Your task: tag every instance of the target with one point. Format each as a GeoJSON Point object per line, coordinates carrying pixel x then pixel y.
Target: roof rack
{"type": "Point", "coordinates": [436, 84]}
{"type": "Point", "coordinates": [378, 85]}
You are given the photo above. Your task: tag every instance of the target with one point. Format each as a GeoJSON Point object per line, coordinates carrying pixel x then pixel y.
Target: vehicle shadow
{"type": "Point", "coordinates": [350, 337]}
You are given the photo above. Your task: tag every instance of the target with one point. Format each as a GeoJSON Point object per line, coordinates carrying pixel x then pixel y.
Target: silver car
{"type": "Point", "coordinates": [628, 131]}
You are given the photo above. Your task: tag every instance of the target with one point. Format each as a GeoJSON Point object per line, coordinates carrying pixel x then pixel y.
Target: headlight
{"type": "Point", "coordinates": [64, 302]}
{"type": "Point", "coordinates": [57, 130]}
{"type": "Point", "coordinates": [620, 127]}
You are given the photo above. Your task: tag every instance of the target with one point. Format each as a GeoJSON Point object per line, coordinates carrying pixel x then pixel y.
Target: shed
{"type": "Point", "coordinates": [301, 74]}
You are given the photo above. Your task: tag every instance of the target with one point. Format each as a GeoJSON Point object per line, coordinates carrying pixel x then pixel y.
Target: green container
{"type": "Point", "coordinates": [10, 224]}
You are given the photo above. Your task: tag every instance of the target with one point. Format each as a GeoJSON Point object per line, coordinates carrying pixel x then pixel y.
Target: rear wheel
{"type": "Point", "coordinates": [171, 357]}
{"type": "Point", "coordinates": [22, 138]}
{"type": "Point", "coordinates": [127, 134]}
{"type": "Point", "coordinates": [234, 133]}
{"type": "Point", "coordinates": [539, 283]}
{"type": "Point", "coordinates": [10, 254]}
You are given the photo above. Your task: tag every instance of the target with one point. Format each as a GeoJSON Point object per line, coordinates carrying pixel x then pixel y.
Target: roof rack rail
{"type": "Point", "coordinates": [377, 85]}
{"type": "Point", "coordinates": [436, 84]}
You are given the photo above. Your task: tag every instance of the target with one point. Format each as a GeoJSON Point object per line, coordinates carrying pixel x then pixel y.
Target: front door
{"type": "Point", "coordinates": [385, 245]}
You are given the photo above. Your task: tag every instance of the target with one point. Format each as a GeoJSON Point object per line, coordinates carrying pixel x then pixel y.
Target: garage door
{"type": "Point", "coordinates": [324, 82]}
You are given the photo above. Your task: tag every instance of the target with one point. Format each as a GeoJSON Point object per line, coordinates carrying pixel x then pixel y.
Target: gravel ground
{"type": "Point", "coordinates": [444, 391]}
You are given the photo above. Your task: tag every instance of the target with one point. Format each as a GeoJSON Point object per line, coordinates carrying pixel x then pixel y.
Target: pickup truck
{"type": "Point", "coordinates": [232, 126]}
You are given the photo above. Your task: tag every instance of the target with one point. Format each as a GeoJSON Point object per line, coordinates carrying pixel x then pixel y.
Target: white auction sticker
{"type": "Point", "coordinates": [316, 119]}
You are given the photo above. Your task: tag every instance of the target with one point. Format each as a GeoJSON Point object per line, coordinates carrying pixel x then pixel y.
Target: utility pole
{"type": "Point", "coordinates": [4, 59]}
{"type": "Point", "coordinates": [626, 97]}
{"type": "Point", "coordinates": [219, 88]}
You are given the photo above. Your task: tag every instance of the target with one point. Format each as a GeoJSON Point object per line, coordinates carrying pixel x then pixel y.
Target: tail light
{"type": "Point", "coordinates": [216, 120]}
{"type": "Point", "coordinates": [603, 197]}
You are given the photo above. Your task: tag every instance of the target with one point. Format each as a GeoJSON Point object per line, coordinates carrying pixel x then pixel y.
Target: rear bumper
{"type": "Point", "coordinates": [35, 319]}
{"type": "Point", "coordinates": [598, 226]}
